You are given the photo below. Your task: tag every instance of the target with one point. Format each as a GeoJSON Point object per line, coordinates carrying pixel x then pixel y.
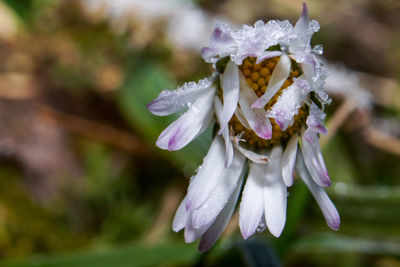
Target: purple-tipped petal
{"type": "Point", "coordinates": [314, 161]}
{"type": "Point", "coordinates": [288, 160]}
{"type": "Point", "coordinates": [189, 125]}
{"type": "Point", "coordinates": [207, 177]}
{"type": "Point", "coordinates": [327, 207]}
{"type": "Point", "coordinates": [275, 193]}
{"type": "Point", "coordinates": [172, 101]}
{"type": "Point", "coordinates": [302, 24]}
{"type": "Point", "coordinates": [215, 230]}
{"type": "Point", "coordinates": [221, 44]}
{"type": "Point", "coordinates": [256, 119]}
{"type": "Point", "coordinates": [221, 193]}
{"type": "Point", "coordinates": [252, 203]}
{"type": "Point", "coordinates": [279, 75]}
{"type": "Point", "coordinates": [181, 217]}
{"type": "Point", "coordinates": [230, 90]}
{"type": "Point", "coordinates": [225, 133]}
{"type": "Point", "coordinates": [315, 124]}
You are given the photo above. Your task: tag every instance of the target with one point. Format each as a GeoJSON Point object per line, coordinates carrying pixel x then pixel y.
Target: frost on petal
{"type": "Point", "coordinates": [172, 101]}
{"type": "Point", "coordinates": [314, 161]}
{"type": "Point", "coordinates": [215, 230]}
{"type": "Point", "coordinates": [279, 75]}
{"type": "Point", "coordinates": [225, 133]}
{"type": "Point", "coordinates": [316, 73]}
{"type": "Point", "coordinates": [207, 177]}
{"type": "Point", "coordinates": [327, 207]}
{"type": "Point", "coordinates": [251, 155]}
{"type": "Point", "coordinates": [288, 160]}
{"type": "Point", "coordinates": [256, 119]}
{"type": "Point", "coordinates": [181, 217]}
{"type": "Point", "coordinates": [315, 124]}
{"type": "Point", "coordinates": [304, 30]}
{"type": "Point", "coordinates": [252, 203]}
{"type": "Point", "coordinates": [220, 194]}
{"type": "Point", "coordinates": [230, 93]}
{"type": "Point", "coordinates": [221, 43]}
{"type": "Point", "coordinates": [275, 193]}
{"type": "Point", "coordinates": [287, 106]}
{"type": "Point", "coordinates": [189, 125]}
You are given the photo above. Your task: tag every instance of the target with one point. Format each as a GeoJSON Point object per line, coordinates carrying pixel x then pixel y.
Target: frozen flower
{"type": "Point", "coordinates": [267, 97]}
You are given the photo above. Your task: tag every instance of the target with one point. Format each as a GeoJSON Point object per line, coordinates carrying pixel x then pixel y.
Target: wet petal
{"type": "Point", "coordinates": [289, 159]}
{"type": "Point", "coordinates": [172, 101]}
{"type": "Point", "coordinates": [230, 90]}
{"type": "Point", "coordinates": [221, 193]}
{"type": "Point", "coordinates": [252, 203]}
{"type": "Point", "coordinates": [256, 119]}
{"type": "Point", "coordinates": [207, 177]}
{"type": "Point", "coordinates": [314, 161]}
{"type": "Point", "coordinates": [215, 230]}
{"type": "Point", "coordinates": [181, 217]}
{"type": "Point", "coordinates": [279, 75]}
{"type": "Point", "coordinates": [315, 124]}
{"type": "Point", "coordinates": [275, 193]}
{"type": "Point", "coordinates": [189, 125]}
{"type": "Point", "coordinates": [327, 207]}
{"type": "Point", "coordinates": [225, 133]}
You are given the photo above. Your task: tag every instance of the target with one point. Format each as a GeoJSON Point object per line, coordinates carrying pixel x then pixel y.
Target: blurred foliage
{"type": "Point", "coordinates": [101, 204]}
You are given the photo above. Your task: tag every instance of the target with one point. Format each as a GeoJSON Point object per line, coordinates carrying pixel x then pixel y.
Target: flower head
{"type": "Point", "coordinates": [267, 96]}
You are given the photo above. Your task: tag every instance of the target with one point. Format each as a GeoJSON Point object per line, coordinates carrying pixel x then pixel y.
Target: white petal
{"type": "Point", "coordinates": [230, 90]}
{"type": "Point", "coordinates": [240, 116]}
{"type": "Point", "coordinates": [279, 75]}
{"type": "Point", "coordinates": [314, 161]}
{"type": "Point", "coordinates": [225, 133]}
{"type": "Point", "coordinates": [275, 193]}
{"type": "Point", "coordinates": [221, 193]}
{"type": "Point", "coordinates": [181, 217]}
{"type": "Point", "coordinates": [289, 159]}
{"type": "Point", "coordinates": [189, 125]}
{"type": "Point", "coordinates": [172, 101]}
{"type": "Point", "coordinates": [327, 207]}
{"type": "Point", "coordinates": [253, 156]}
{"type": "Point", "coordinates": [252, 203]}
{"type": "Point", "coordinates": [215, 230]}
{"type": "Point", "coordinates": [207, 177]}
{"type": "Point", "coordinates": [191, 234]}
{"type": "Point", "coordinates": [268, 54]}
{"type": "Point", "coordinates": [256, 119]}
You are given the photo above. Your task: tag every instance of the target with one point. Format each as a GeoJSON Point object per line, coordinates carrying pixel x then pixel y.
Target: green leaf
{"type": "Point", "coordinates": [131, 255]}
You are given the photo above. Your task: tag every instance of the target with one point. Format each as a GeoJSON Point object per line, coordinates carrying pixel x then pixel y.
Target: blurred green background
{"type": "Point", "coordinates": [82, 183]}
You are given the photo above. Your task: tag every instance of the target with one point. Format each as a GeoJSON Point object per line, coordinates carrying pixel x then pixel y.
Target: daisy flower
{"type": "Point", "coordinates": [267, 97]}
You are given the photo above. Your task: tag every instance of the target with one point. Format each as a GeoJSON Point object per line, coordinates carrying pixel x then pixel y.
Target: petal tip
{"type": "Point", "coordinates": [334, 224]}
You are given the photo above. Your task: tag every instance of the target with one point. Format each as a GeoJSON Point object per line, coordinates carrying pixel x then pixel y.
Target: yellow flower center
{"type": "Point", "coordinates": [257, 77]}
